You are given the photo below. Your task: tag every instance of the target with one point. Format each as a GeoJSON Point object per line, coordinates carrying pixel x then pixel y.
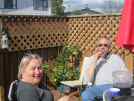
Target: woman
{"type": "Point", "coordinates": [30, 75]}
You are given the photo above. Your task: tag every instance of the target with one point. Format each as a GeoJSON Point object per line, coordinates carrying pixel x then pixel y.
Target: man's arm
{"type": "Point", "coordinates": [92, 66]}
{"type": "Point", "coordinates": [84, 68]}
{"type": "Point", "coordinates": [91, 71]}
{"type": "Point", "coordinates": [88, 66]}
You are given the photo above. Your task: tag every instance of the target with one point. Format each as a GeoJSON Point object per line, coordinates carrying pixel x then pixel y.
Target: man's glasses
{"type": "Point", "coordinates": [105, 45]}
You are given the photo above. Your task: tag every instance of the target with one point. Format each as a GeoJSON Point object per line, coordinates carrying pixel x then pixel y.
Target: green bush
{"type": "Point", "coordinates": [66, 65]}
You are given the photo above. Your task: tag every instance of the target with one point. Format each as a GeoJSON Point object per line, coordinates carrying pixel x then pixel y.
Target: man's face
{"type": "Point", "coordinates": [103, 46]}
{"type": "Point", "coordinates": [33, 72]}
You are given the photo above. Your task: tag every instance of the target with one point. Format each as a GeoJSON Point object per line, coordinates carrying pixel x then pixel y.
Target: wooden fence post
{"type": "Point", "coordinates": [129, 61]}
{"type": "Point", "coordinates": [2, 93]}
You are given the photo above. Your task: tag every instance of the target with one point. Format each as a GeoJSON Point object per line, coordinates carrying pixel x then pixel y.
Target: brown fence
{"type": "Point", "coordinates": [37, 33]}
{"type": "Point", "coordinates": [34, 32]}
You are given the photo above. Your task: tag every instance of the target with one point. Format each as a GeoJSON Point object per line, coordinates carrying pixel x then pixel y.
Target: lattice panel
{"type": "Point", "coordinates": [36, 32]}
{"type": "Point", "coordinates": [84, 31]}
{"type": "Point", "coordinates": [32, 32]}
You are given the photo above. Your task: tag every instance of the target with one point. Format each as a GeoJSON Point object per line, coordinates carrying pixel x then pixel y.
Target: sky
{"type": "Point", "coordinates": [78, 4]}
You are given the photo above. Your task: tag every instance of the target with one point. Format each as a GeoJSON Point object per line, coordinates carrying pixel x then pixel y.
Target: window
{"type": "Point", "coordinates": [10, 4]}
{"type": "Point", "coordinates": [40, 4]}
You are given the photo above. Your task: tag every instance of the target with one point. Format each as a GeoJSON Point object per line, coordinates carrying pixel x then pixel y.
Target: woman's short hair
{"type": "Point", "coordinates": [25, 61]}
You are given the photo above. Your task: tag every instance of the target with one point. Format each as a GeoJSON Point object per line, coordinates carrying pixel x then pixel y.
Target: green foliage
{"type": "Point", "coordinates": [46, 67]}
{"type": "Point", "coordinates": [66, 65]}
{"type": "Point", "coordinates": [57, 7]}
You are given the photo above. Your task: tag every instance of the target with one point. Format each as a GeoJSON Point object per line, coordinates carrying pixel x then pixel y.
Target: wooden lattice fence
{"type": "Point", "coordinates": [35, 32]}
{"type": "Point", "coordinates": [39, 32]}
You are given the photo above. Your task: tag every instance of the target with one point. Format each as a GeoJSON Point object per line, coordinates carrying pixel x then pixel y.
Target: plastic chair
{"type": "Point", "coordinates": [110, 93]}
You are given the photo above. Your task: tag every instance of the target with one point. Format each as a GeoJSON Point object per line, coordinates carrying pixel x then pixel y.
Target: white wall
{"type": "Point", "coordinates": [25, 7]}
{"type": "Point", "coordinates": [49, 7]}
{"type": "Point", "coordinates": [1, 3]}
{"type": "Point", "coordinates": [23, 4]}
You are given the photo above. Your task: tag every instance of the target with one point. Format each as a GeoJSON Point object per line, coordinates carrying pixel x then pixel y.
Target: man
{"type": "Point", "coordinates": [98, 69]}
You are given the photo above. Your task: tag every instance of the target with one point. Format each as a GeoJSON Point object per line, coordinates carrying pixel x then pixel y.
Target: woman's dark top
{"type": "Point", "coordinates": [27, 92]}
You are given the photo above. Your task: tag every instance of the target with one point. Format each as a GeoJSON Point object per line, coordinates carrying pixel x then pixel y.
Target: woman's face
{"type": "Point", "coordinates": [33, 72]}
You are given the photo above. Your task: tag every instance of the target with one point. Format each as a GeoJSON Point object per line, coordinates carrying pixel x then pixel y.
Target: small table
{"type": "Point", "coordinates": [73, 85]}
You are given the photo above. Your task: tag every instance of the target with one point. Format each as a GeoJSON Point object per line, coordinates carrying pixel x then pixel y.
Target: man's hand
{"type": "Point", "coordinates": [98, 53]}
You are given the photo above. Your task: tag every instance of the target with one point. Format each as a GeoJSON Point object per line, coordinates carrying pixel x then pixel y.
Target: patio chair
{"type": "Point", "coordinates": [12, 91]}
